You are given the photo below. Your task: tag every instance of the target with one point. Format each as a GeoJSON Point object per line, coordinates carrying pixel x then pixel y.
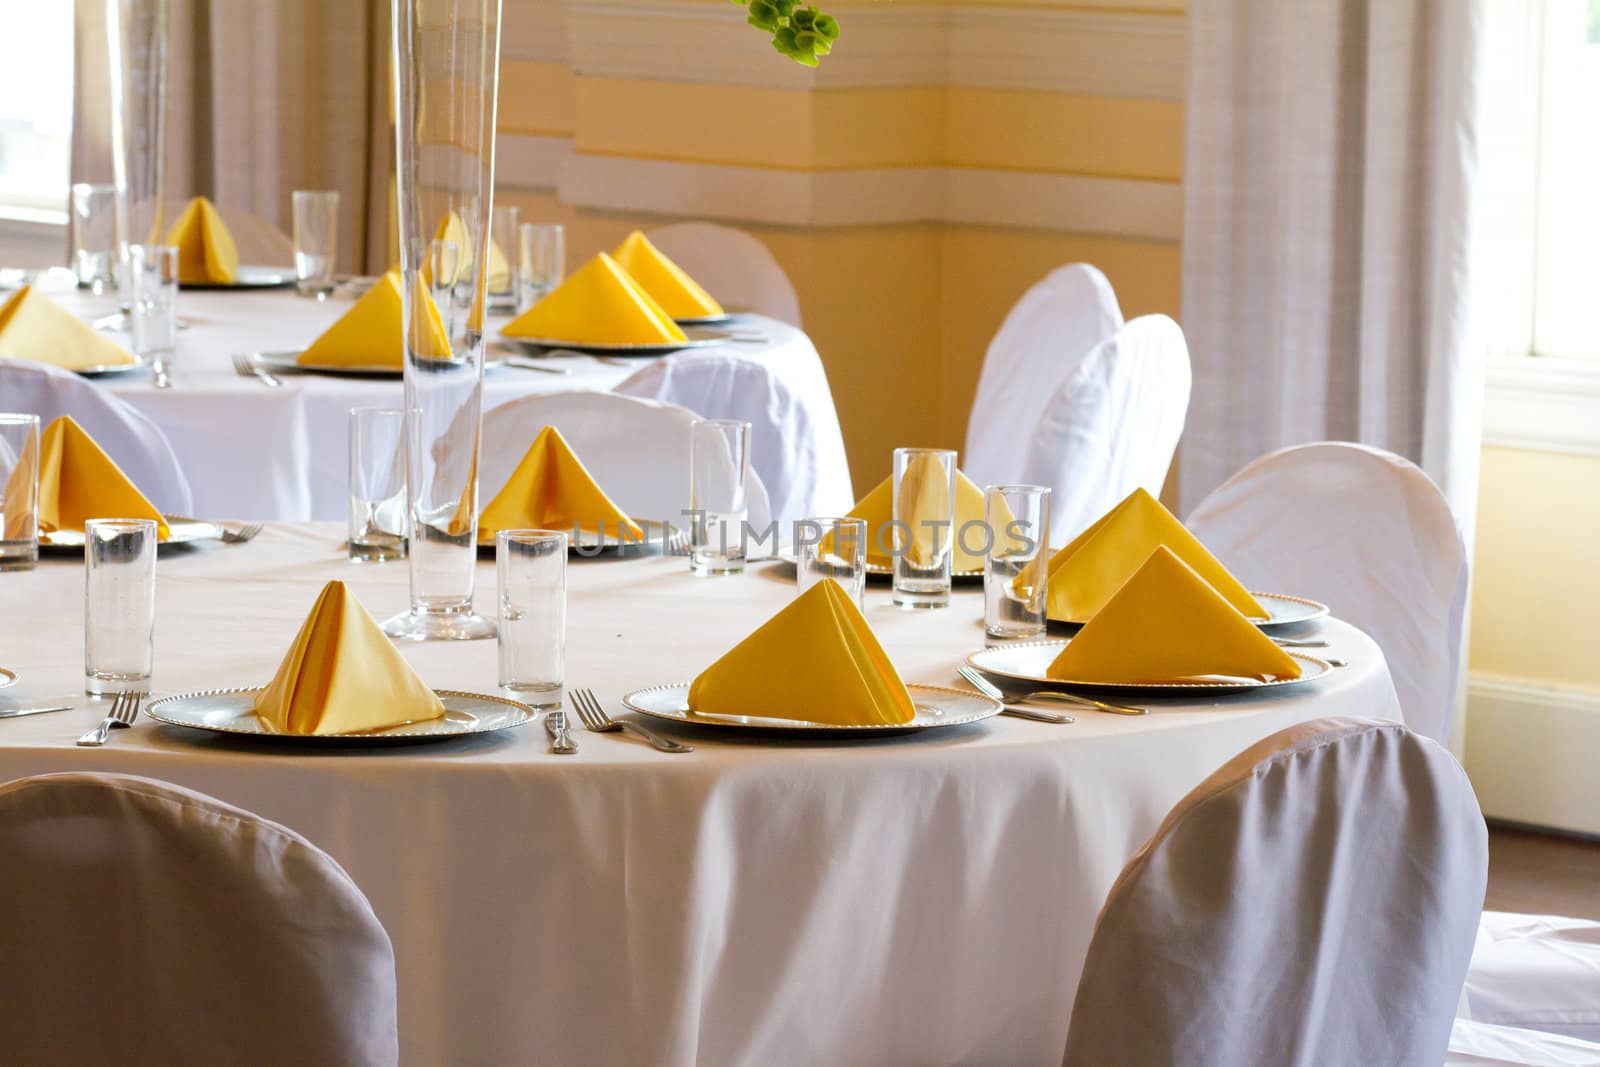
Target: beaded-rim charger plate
{"type": "Point", "coordinates": [288, 363]}
{"type": "Point", "coordinates": [1028, 661]}
{"type": "Point", "coordinates": [878, 571]}
{"type": "Point", "coordinates": [249, 277]}
{"type": "Point", "coordinates": [697, 337]}
{"type": "Point", "coordinates": [181, 530]}
{"type": "Point", "coordinates": [936, 707]}
{"type": "Point", "coordinates": [229, 711]}
{"type": "Point", "coordinates": [1282, 610]}
{"type": "Point", "coordinates": [7, 677]}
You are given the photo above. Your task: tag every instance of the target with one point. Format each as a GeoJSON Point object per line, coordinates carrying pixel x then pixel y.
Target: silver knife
{"type": "Point", "coordinates": [561, 742]}
{"type": "Point", "coordinates": [17, 713]}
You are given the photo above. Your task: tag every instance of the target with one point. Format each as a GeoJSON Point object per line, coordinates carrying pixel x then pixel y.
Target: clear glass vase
{"type": "Point", "coordinates": [447, 71]}
{"type": "Point", "coordinates": [136, 33]}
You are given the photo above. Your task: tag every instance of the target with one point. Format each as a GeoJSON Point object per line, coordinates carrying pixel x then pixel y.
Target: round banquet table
{"type": "Point", "coordinates": [255, 452]}
{"type": "Point", "coordinates": [915, 899]}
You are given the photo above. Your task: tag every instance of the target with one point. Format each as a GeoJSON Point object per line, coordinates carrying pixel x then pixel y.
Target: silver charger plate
{"type": "Point", "coordinates": [655, 538]}
{"type": "Point", "coordinates": [786, 554]}
{"type": "Point", "coordinates": [249, 277]}
{"type": "Point", "coordinates": [936, 707]}
{"type": "Point", "coordinates": [8, 677]}
{"type": "Point", "coordinates": [102, 370]}
{"type": "Point", "coordinates": [1027, 661]}
{"type": "Point", "coordinates": [181, 530]}
{"type": "Point", "coordinates": [287, 363]}
{"type": "Point", "coordinates": [1282, 610]}
{"type": "Point", "coordinates": [230, 711]}
{"type": "Point", "coordinates": [698, 337]}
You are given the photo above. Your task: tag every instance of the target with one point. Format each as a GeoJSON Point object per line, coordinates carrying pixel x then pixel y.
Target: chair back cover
{"type": "Point", "coordinates": [1112, 425]}
{"type": "Point", "coordinates": [733, 266]}
{"type": "Point", "coordinates": [1043, 338]}
{"type": "Point", "coordinates": [1312, 902]}
{"type": "Point", "coordinates": [795, 444]}
{"type": "Point", "coordinates": [1367, 533]}
{"type": "Point", "coordinates": [135, 443]}
{"type": "Point", "coordinates": [637, 450]}
{"type": "Point", "coordinates": [151, 925]}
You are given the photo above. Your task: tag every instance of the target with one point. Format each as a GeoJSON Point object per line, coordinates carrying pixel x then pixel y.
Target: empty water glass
{"type": "Point", "coordinates": [153, 310]}
{"type": "Point", "coordinates": [377, 485]}
{"type": "Point", "coordinates": [531, 573]}
{"type": "Point", "coordinates": [719, 469]}
{"type": "Point", "coordinates": [504, 223]}
{"type": "Point", "coordinates": [832, 548]}
{"type": "Point", "coordinates": [444, 262]}
{"type": "Point", "coordinates": [119, 604]}
{"type": "Point", "coordinates": [924, 515]}
{"type": "Point", "coordinates": [19, 498]}
{"type": "Point", "coordinates": [94, 236]}
{"type": "Point", "coordinates": [316, 241]}
{"type": "Point", "coordinates": [541, 261]}
{"type": "Point", "coordinates": [1017, 559]}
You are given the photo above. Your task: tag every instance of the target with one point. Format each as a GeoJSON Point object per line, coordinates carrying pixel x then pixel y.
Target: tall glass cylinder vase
{"type": "Point", "coordinates": [447, 71]}
{"type": "Point", "coordinates": [136, 37]}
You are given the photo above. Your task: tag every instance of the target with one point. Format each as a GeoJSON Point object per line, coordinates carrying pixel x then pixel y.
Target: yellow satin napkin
{"type": "Point", "coordinates": [78, 482]}
{"type": "Point", "coordinates": [343, 675]}
{"type": "Point", "coordinates": [552, 490]}
{"type": "Point", "coordinates": [924, 477]}
{"type": "Point", "coordinates": [453, 229]}
{"type": "Point", "coordinates": [678, 294]}
{"type": "Point", "coordinates": [32, 326]}
{"type": "Point", "coordinates": [816, 660]}
{"type": "Point", "coordinates": [205, 248]}
{"type": "Point", "coordinates": [1167, 624]}
{"type": "Point", "coordinates": [1085, 574]}
{"type": "Point", "coordinates": [372, 332]}
{"type": "Point", "coordinates": [600, 304]}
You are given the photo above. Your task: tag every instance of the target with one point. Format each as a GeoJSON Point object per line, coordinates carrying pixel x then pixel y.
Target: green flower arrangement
{"type": "Point", "coordinates": [801, 33]}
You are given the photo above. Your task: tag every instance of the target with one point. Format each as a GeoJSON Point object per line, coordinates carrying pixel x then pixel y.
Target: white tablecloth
{"type": "Point", "coordinates": [252, 452]}
{"type": "Point", "coordinates": [906, 900]}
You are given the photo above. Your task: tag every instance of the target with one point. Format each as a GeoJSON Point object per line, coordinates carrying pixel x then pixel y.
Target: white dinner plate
{"type": "Point", "coordinates": [1028, 661]}
{"type": "Point", "coordinates": [249, 277]}
{"type": "Point", "coordinates": [288, 363]}
{"type": "Point", "coordinates": [8, 677]}
{"type": "Point", "coordinates": [697, 337]}
{"type": "Point", "coordinates": [936, 706]}
{"type": "Point", "coordinates": [656, 536]}
{"type": "Point", "coordinates": [1282, 610]}
{"type": "Point", "coordinates": [180, 531]}
{"type": "Point", "coordinates": [230, 711]}
{"type": "Point", "coordinates": [878, 571]}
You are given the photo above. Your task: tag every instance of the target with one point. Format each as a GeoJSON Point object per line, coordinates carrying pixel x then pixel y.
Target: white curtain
{"type": "Point", "coordinates": [1330, 180]}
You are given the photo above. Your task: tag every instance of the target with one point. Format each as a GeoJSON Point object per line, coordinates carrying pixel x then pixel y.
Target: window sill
{"type": "Point", "coordinates": [1543, 404]}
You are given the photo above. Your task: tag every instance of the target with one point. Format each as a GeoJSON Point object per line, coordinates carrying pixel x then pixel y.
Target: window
{"type": "Point", "coordinates": [35, 109]}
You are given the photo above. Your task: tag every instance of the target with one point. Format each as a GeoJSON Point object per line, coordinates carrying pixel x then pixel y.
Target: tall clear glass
{"type": "Point", "coordinates": [531, 580]}
{"type": "Point", "coordinates": [377, 484]}
{"type": "Point", "coordinates": [832, 548]}
{"type": "Point", "coordinates": [94, 236]}
{"type": "Point", "coordinates": [316, 241]}
{"type": "Point", "coordinates": [506, 221]}
{"type": "Point", "coordinates": [119, 604]}
{"type": "Point", "coordinates": [541, 261]}
{"type": "Point", "coordinates": [136, 32]}
{"type": "Point", "coordinates": [19, 497]}
{"type": "Point", "coordinates": [153, 308]}
{"type": "Point", "coordinates": [447, 72]}
{"type": "Point", "coordinates": [1016, 521]}
{"type": "Point", "coordinates": [719, 472]}
{"type": "Point", "coordinates": [924, 520]}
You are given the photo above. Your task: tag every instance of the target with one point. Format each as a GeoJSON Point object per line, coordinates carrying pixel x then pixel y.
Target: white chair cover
{"type": "Point", "coordinates": [150, 925]}
{"type": "Point", "coordinates": [1112, 425]}
{"type": "Point", "coordinates": [637, 450]}
{"type": "Point", "coordinates": [1538, 972]}
{"type": "Point", "coordinates": [733, 266]}
{"type": "Point", "coordinates": [1043, 339]}
{"type": "Point", "coordinates": [129, 437]}
{"type": "Point", "coordinates": [1367, 533]}
{"type": "Point", "coordinates": [1477, 1044]}
{"type": "Point", "coordinates": [796, 445]}
{"type": "Point", "coordinates": [1312, 902]}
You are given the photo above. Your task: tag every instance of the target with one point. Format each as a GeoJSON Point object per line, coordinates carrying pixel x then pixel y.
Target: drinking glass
{"type": "Point", "coordinates": [719, 467]}
{"type": "Point", "coordinates": [119, 604]}
{"type": "Point", "coordinates": [1017, 558]}
{"type": "Point", "coordinates": [137, 40]}
{"type": "Point", "coordinates": [19, 504]}
{"type": "Point", "coordinates": [377, 485]}
{"type": "Point", "coordinates": [446, 61]}
{"type": "Point", "coordinates": [531, 573]}
{"type": "Point", "coordinates": [153, 308]}
{"type": "Point", "coordinates": [541, 261]}
{"type": "Point", "coordinates": [94, 236]}
{"type": "Point", "coordinates": [503, 227]}
{"type": "Point", "coordinates": [444, 269]}
{"type": "Point", "coordinates": [316, 241]}
{"type": "Point", "coordinates": [832, 548]}
{"type": "Point", "coordinates": [924, 515]}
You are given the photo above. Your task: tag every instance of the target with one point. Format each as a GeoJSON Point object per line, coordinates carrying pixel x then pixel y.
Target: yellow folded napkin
{"type": "Point", "coordinates": [600, 304]}
{"type": "Point", "coordinates": [452, 228]}
{"type": "Point", "coordinates": [1166, 624]}
{"type": "Point", "coordinates": [922, 476]}
{"type": "Point", "coordinates": [552, 490]}
{"type": "Point", "coordinates": [815, 660]}
{"type": "Point", "coordinates": [78, 482]}
{"type": "Point", "coordinates": [678, 294]}
{"type": "Point", "coordinates": [1085, 574]}
{"type": "Point", "coordinates": [343, 675]}
{"type": "Point", "coordinates": [205, 248]}
{"type": "Point", "coordinates": [372, 332]}
{"type": "Point", "coordinates": [32, 326]}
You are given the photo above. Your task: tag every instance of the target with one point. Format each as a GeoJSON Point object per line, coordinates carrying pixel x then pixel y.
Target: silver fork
{"type": "Point", "coordinates": [987, 687]}
{"type": "Point", "coordinates": [596, 719]}
{"type": "Point", "coordinates": [677, 542]}
{"type": "Point", "coordinates": [247, 532]}
{"type": "Point", "coordinates": [981, 684]}
{"type": "Point", "coordinates": [246, 367]}
{"type": "Point", "coordinates": [124, 709]}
